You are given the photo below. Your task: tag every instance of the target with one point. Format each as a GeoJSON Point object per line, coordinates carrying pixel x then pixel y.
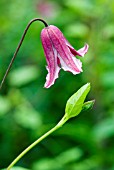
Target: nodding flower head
{"type": "Point", "coordinates": [59, 54]}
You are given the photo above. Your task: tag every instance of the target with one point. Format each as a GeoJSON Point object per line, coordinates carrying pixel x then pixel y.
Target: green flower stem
{"type": "Point", "coordinates": [61, 122]}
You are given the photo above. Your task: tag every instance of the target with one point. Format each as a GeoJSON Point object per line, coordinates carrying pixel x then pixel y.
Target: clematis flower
{"type": "Point", "coordinates": [59, 54]}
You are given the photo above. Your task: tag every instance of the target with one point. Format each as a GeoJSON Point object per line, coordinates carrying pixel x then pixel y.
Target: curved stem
{"type": "Point", "coordinates": [18, 47]}
{"type": "Point", "coordinates": [30, 147]}
{"type": "Point", "coordinates": [62, 121]}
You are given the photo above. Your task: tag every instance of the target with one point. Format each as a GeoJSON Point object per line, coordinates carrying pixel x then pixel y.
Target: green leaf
{"type": "Point", "coordinates": [5, 105]}
{"type": "Point", "coordinates": [104, 129]}
{"type": "Point", "coordinates": [23, 75]}
{"type": "Point", "coordinates": [29, 117]}
{"type": "Point", "coordinates": [88, 105]}
{"type": "Point", "coordinates": [75, 103]}
{"type": "Point", "coordinates": [70, 155]}
{"type": "Point", "coordinates": [77, 30]}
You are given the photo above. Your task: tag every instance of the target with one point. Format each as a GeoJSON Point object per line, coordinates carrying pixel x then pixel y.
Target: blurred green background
{"type": "Point", "coordinates": [27, 110]}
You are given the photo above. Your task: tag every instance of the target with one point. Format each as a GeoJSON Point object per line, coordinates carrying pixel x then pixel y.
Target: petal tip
{"type": "Point", "coordinates": [83, 50]}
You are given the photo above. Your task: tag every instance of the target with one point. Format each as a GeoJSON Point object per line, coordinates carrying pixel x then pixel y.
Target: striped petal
{"type": "Point", "coordinates": [51, 58]}
{"type": "Point", "coordinates": [65, 56]}
{"type": "Point", "coordinates": [81, 52]}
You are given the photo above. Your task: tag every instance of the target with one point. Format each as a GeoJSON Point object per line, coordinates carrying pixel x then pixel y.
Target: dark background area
{"type": "Point", "coordinates": [27, 110]}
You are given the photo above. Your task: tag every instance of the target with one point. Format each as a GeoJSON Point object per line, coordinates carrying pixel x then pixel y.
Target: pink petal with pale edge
{"type": "Point", "coordinates": [51, 58]}
{"type": "Point", "coordinates": [67, 68]}
{"type": "Point", "coordinates": [81, 52]}
{"type": "Point", "coordinates": [65, 56]}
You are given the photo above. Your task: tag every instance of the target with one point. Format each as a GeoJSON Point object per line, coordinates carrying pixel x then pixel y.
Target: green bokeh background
{"type": "Point", "coordinates": [27, 110]}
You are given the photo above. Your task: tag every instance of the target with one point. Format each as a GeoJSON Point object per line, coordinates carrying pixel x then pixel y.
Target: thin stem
{"type": "Point", "coordinates": [18, 47]}
{"type": "Point", "coordinates": [31, 146]}
{"type": "Point", "coordinates": [62, 121]}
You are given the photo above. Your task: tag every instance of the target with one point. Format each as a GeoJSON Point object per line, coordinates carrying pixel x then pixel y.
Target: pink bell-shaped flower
{"type": "Point", "coordinates": [58, 53]}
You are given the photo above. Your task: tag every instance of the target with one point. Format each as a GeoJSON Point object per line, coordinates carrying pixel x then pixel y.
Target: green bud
{"type": "Point", "coordinates": [88, 105]}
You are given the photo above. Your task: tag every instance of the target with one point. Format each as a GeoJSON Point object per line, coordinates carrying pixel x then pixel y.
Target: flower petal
{"type": "Point", "coordinates": [81, 52]}
{"type": "Point", "coordinates": [65, 56]}
{"type": "Point", "coordinates": [65, 67]}
{"type": "Point", "coordinates": [51, 58]}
